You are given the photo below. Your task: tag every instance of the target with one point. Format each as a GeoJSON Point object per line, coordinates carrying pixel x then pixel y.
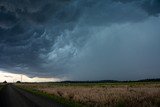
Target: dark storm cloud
{"type": "Point", "coordinates": [47, 38]}
{"type": "Point", "coordinates": [152, 7]}
{"type": "Point", "coordinates": [7, 19]}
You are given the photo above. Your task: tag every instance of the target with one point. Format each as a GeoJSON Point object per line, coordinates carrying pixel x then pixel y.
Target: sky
{"type": "Point", "coordinates": [12, 78]}
{"type": "Point", "coordinates": [80, 39]}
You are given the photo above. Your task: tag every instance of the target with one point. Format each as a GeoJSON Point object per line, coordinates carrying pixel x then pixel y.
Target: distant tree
{"type": "Point", "coordinates": [5, 82]}
{"type": "Point", "coordinates": [18, 82]}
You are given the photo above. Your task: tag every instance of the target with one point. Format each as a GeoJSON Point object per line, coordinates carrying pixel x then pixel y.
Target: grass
{"type": "Point", "coordinates": [1, 85]}
{"type": "Point", "coordinates": [140, 94]}
{"type": "Point", "coordinates": [58, 99]}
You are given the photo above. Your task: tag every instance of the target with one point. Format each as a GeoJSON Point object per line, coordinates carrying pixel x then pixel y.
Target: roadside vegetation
{"type": "Point", "coordinates": [58, 99]}
{"type": "Point", "coordinates": [1, 85]}
{"type": "Point", "coordinates": [132, 94]}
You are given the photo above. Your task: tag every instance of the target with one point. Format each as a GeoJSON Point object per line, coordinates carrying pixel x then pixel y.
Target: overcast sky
{"type": "Point", "coordinates": [81, 39]}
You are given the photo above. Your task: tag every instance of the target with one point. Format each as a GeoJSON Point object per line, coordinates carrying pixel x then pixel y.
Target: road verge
{"type": "Point", "coordinates": [61, 100]}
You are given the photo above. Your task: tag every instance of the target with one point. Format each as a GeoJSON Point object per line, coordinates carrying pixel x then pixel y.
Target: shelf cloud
{"type": "Point", "coordinates": [81, 39]}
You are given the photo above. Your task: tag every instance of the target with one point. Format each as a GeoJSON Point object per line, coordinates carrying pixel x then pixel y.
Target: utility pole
{"type": "Point", "coordinates": [21, 77]}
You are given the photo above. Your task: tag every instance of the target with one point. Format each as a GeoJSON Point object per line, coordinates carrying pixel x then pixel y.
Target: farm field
{"type": "Point", "coordinates": [134, 94]}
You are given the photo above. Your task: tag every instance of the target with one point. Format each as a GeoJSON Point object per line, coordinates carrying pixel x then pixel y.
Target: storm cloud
{"type": "Point", "coordinates": [81, 39]}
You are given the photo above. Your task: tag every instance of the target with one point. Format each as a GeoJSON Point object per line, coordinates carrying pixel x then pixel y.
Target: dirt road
{"type": "Point", "coordinates": [11, 96]}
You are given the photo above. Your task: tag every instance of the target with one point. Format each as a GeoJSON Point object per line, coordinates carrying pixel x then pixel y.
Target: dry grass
{"type": "Point", "coordinates": [145, 95]}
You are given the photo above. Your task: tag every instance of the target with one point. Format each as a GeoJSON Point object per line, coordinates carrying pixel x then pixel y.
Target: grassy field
{"type": "Point", "coordinates": [140, 94]}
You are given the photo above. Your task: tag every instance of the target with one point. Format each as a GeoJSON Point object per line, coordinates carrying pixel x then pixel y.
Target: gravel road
{"type": "Point", "coordinates": [11, 96]}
